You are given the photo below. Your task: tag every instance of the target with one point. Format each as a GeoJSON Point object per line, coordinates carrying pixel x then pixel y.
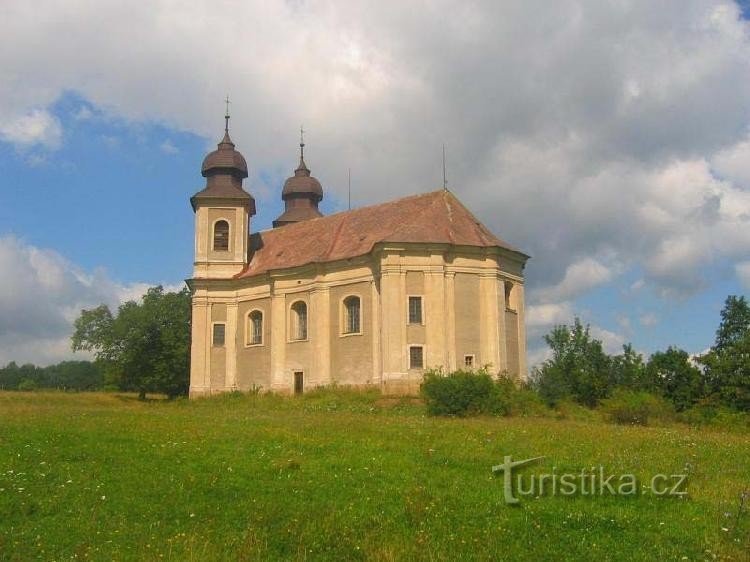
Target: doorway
{"type": "Point", "coordinates": [299, 382]}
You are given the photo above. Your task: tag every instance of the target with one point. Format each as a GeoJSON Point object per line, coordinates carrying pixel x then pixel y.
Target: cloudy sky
{"type": "Point", "coordinates": [609, 139]}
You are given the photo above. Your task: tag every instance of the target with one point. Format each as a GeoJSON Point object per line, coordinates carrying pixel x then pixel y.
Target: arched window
{"type": "Point", "coordinates": [255, 328]}
{"type": "Point", "coordinates": [352, 315]}
{"type": "Point", "coordinates": [221, 236]}
{"type": "Point", "coordinates": [299, 321]}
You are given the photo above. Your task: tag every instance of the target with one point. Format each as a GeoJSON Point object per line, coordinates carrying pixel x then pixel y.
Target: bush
{"type": "Point", "coordinates": [27, 385]}
{"type": "Point", "coordinates": [636, 408]}
{"type": "Point", "coordinates": [520, 399]}
{"type": "Point", "coordinates": [708, 413]}
{"type": "Point", "coordinates": [568, 409]}
{"type": "Point", "coordinates": [464, 393]}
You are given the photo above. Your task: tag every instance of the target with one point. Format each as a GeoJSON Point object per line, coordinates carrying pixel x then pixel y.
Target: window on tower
{"type": "Point", "coordinates": [221, 236]}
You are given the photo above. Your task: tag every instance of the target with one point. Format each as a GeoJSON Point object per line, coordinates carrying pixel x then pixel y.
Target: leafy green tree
{"type": "Point", "coordinates": [145, 347]}
{"type": "Point", "coordinates": [672, 374]}
{"type": "Point", "coordinates": [579, 367]}
{"type": "Point", "coordinates": [727, 364]}
{"type": "Point", "coordinates": [628, 369]}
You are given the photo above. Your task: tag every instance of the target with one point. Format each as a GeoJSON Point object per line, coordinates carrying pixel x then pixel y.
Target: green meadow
{"type": "Point", "coordinates": [338, 475]}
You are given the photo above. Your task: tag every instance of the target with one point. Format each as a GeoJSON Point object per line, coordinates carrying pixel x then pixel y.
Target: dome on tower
{"type": "Point", "coordinates": [302, 182]}
{"type": "Point", "coordinates": [225, 159]}
{"type": "Point", "coordinates": [301, 194]}
{"type": "Point", "coordinates": [224, 170]}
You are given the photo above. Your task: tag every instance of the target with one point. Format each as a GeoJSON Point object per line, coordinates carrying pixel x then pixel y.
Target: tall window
{"type": "Point", "coordinates": [221, 236]}
{"type": "Point", "coordinates": [255, 328]}
{"type": "Point", "coordinates": [352, 315]}
{"type": "Point", "coordinates": [416, 357]}
{"type": "Point", "coordinates": [219, 333]}
{"type": "Point", "coordinates": [415, 310]}
{"type": "Point", "coordinates": [299, 321]}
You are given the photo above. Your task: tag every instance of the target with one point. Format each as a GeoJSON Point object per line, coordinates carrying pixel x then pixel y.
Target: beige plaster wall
{"type": "Point", "coordinates": [351, 354]}
{"type": "Point", "coordinates": [254, 361]}
{"type": "Point", "coordinates": [466, 314]}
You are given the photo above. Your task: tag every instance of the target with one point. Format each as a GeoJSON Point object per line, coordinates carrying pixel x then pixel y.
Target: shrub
{"type": "Point", "coordinates": [568, 409]}
{"type": "Point", "coordinates": [637, 408]}
{"type": "Point", "coordinates": [520, 399]}
{"type": "Point", "coordinates": [464, 393]}
{"type": "Point", "coordinates": [708, 413]}
{"type": "Point", "coordinates": [27, 385]}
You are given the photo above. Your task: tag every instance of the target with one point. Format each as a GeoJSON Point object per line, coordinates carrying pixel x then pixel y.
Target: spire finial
{"type": "Point", "coordinates": [226, 116]}
{"type": "Point", "coordinates": [301, 143]}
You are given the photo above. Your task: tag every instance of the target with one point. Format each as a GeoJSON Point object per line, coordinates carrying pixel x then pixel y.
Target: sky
{"type": "Point", "coordinates": [609, 140]}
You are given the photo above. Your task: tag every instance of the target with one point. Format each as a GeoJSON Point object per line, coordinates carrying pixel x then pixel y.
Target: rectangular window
{"type": "Point", "coordinates": [416, 357]}
{"type": "Point", "coordinates": [415, 310]}
{"type": "Point", "coordinates": [469, 361]}
{"type": "Point", "coordinates": [218, 335]}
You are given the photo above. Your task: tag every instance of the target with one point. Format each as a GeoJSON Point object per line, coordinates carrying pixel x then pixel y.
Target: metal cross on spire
{"type": "Point", "coordinates": [301, 142]}
{"type": "Point", "coordinates": [226, 115]}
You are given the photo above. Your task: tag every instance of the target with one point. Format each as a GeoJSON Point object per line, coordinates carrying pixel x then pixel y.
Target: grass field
{"type": "Point", "coordinates": [345, 476]}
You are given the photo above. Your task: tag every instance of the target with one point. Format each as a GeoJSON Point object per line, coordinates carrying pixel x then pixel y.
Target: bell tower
{"type": "Point", "coordinates": [222, 213]}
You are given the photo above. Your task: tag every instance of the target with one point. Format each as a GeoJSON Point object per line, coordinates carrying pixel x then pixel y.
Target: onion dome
{"type": "Point", "coordinates": [225, 159]}
{"type": "Point", "coordinates": [224, 170]}
{"type": "Point", "coordinates": [301, 194]}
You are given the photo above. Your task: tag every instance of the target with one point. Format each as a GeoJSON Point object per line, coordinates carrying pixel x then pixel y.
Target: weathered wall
{"type": "Point", "coordinates": [254, 361]}
{"type": "Point", "coordinates": [467, 321]}
{"type": "Point", "coordinates": [351, 354]}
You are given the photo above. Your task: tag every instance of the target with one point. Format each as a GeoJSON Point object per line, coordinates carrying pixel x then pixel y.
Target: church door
{"type": "Point", "coordinates": [299, 382]}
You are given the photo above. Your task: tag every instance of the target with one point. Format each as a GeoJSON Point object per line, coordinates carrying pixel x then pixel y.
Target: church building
{"type": "Point", "coordinates": [369, 297]}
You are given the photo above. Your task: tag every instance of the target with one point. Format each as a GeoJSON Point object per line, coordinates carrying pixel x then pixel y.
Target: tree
{"type": "Point", "coordinates": [735, 323]}
{"type": "Point", "coordinates": [146, 346]}
{"type": "Point", "coordinates": [628, 369]}
{"type": "Point", "coordinates": [672, 374]}
{"type": "Point", "coordinates": [579, 367]}
{"type": "Point", "coordinates": [727, 364]}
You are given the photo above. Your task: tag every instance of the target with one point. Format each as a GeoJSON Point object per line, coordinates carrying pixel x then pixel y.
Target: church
{"type": "Point", "coordinates": [369, 297]}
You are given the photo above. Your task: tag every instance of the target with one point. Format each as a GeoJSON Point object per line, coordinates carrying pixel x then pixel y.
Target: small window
{"type": "Point", "coordinates": [221, 236]}
{"type": "Point", "coordinates": [469, 361]}
{"type": "Point", "coordinates": [219, 335]}
{"type": "Point", "coordinates": [299, 321]}
{"type": "Point", "coordinates": [415, 310]}
{"type": "Point", "coordinates": [416, 357]}
{"type": "Point", "coordinates": [352, 309]}
{"type": "Point", "coordinates": [255, 328]}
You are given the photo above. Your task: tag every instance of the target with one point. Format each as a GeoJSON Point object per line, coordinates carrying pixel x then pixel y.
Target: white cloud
{"type": "Point", "coordinates": [36, 127]}
{"type": "Point", "coordinates": [599, 137]}
{"type": "Point", "coordinates": [733, 163]}
{"type": "Point", "coordinates": [612, 342]}
{"type": "Point", "coordinates": [41, 294]}
{"type": "Point", "coordinates": [549, 314]}
{"type": "Point", "coordinates": [580, 277]}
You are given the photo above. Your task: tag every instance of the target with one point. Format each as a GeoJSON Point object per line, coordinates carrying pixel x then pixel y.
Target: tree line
{"type": "Point", "coordinates": [68, 375]}
{"type": "Point", "coordinates": [580, 370]}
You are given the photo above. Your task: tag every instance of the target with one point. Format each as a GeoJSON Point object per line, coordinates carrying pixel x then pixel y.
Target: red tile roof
{"type": "Point", "coordinates": [437, 217]}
